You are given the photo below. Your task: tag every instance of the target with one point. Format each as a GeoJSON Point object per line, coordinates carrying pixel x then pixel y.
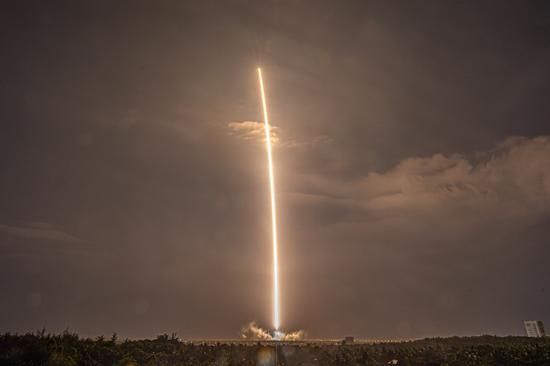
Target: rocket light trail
{"type": "Point", "coordinates": [276, 319]}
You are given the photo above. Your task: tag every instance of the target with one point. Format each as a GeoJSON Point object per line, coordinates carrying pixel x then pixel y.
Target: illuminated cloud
{"type": "Point", "coordinates": [254, 131]}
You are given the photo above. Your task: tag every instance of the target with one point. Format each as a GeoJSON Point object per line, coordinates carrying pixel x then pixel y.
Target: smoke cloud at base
{"type": "Point", "coordinates": [253, 331]}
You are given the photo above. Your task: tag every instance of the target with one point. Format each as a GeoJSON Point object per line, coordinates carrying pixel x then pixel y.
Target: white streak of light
{"type": "Point", "coordinates": [276, 320]}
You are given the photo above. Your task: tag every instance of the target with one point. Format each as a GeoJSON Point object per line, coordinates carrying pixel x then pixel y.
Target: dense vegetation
{"type": "Point", "coordinates": [68, 349]}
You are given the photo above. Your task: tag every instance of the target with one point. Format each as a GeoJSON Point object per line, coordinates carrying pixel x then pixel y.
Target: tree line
{"type": "Point", "coordinates": [68, 349]}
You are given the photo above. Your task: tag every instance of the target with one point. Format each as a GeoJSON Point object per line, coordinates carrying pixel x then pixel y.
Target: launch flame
{"type": "Point", "coordinates": [276, 319]}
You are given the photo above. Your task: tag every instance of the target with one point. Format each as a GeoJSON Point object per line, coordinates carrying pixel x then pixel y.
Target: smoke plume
{"type": "Point", "coordinates": [297, 335]}
{"type": "Point", "coordinates": [254, 331]}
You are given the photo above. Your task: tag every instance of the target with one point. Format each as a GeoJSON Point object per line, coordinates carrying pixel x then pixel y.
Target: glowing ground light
{"type": "Point", "coordinates": [276, 319]}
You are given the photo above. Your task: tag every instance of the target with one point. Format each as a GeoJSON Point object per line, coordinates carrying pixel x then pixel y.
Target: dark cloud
{"type": "Point", "coordinates": [40, 231]}
{"type": "Point", "coordinates": [512, 181]}
{"type": "Point", "coordinates": [407, 208]}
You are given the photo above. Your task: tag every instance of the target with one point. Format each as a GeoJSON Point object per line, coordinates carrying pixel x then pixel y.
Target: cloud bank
{"type": "Point", "coordinates": [512, 180]}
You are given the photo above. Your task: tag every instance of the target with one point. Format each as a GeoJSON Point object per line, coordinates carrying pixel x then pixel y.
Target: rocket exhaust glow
{"type": "Point", "coordinates": [276, 318]}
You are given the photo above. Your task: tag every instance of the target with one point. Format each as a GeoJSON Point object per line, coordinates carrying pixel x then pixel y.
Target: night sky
{"type": "Point", "coordinates": [412, 164]}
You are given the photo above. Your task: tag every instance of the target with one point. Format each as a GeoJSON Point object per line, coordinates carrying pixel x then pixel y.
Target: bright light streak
{"type": "Point", "coordinates": [276, 319]}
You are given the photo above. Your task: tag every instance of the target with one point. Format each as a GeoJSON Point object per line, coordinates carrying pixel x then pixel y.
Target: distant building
{"type": "Point", "coordinates": [534, 328]}
{"type": "Point", "coordinates": [348, 340]}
